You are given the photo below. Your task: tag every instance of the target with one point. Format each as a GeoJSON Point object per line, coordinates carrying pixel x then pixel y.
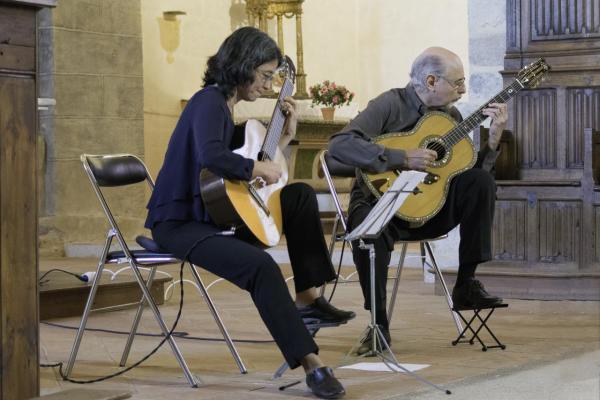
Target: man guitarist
{"type": "Point", "coordinates": [437, 81]}
{"type": "Point", "coordinates": [243, 69]}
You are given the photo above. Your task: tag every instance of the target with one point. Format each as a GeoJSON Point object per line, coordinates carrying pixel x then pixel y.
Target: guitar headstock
{"type": "Point", "coordinates": [287, 70]}
{"type": "Point", "coordinates": [531, 75]}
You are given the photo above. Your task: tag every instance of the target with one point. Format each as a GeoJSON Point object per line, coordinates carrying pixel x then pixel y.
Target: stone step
{"type": "Point", "coordinates": [65, 296]}
{"type": "Point", "coordinates": [513, 283]}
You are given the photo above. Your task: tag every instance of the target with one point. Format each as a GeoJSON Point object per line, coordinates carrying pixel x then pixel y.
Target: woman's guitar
{"type": "Point", "coordinates": [455, 150]}
{"type": "Point", "coordinates": [253, 205]}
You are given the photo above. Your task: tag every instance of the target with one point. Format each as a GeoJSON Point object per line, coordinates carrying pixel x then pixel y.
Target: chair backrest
{"type": "Point", "coordinates": [114, 170]}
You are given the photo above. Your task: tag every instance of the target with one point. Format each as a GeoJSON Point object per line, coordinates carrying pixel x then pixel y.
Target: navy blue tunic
{"type": "Point", "coordinates": [201, 139]}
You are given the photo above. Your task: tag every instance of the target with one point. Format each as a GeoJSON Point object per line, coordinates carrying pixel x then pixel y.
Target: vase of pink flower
{"type": "Point", "coordinates": [330, 95]}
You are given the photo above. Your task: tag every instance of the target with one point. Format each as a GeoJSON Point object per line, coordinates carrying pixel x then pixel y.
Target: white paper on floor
{"type": "Point", "coordinates": [379, 366]}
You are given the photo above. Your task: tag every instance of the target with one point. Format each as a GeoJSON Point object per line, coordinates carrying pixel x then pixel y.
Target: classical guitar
{"type": "Point", "coordinates": [455, 150]}
{"type": "Point", "coordinates": [253, 206]}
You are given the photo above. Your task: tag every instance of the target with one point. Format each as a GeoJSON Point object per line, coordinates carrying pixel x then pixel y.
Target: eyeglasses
{"type": "Point", "coordinates": [266, 77]}
{"type": "Point", "coordinates": [456, 84]}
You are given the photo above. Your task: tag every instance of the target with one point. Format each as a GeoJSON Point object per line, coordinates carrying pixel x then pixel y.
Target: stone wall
{"type": "Point", "coordinates": [91, 63]}
{"type": "Point", "coordinates": [487, 45]}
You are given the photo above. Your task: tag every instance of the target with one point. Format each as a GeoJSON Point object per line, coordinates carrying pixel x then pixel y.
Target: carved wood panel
{"type": "Point", "coordinates": [597, 234]}
{"type": "Point", "coordinates": [564, 19]}
{"type": "Point", "coordinates": [596, 157]}
{"type": "Point", "coordinates": [535, 128]}
{"type": "Point", "coordinates": [559, 231]}
{"type": "Point", "coordinates": [583, 111]}
{"type": "Point", "coordinates": [548, 124]}
{"type": "Point", "coordinates": [508, 234]}
{"type": "Point", "coordinates": [565, 32]}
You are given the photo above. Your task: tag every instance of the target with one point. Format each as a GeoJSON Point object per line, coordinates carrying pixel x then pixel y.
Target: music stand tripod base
{"type": "Point", "coordinates": [370, 228]}
{"type": "Point", "coordinates": [384, 352]}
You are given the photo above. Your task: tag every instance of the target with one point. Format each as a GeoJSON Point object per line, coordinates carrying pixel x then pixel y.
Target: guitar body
{"type": "Point", "coordinates": [431, 194]}
{"type": "Point", "coordinates": [256, 207]}
{"type": "Point", "coordinates": [456, 152]}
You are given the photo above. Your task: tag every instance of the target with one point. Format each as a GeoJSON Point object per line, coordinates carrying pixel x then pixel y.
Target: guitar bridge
{"type": "Point", "coordinates": [431, 179]}
{"type": "Point", "coordinates": [258, 199]}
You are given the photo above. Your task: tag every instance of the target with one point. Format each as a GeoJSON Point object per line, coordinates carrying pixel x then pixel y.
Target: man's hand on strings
{"type": "Point", "coordinates": [498, 112]}
{"type": "Point", "coordinates": [419, 159]}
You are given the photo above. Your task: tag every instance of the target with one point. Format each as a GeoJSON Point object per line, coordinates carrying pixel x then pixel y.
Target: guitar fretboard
{"type": "Point", "coordinates": [467, 125]}
{"type": "Point", "coordinates": [275, 128]}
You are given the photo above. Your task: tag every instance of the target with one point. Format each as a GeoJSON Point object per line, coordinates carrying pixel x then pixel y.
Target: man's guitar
{"type": "Point", "coordinates": [253, 204]}
{"type": "Point", "coordinates": [455, 149]}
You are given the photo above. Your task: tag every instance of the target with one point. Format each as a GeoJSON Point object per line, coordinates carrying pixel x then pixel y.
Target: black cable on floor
{"type": "Point", "coordinates": [78, 276]}
{"type": "Point", "coordinates": [165, 338]}
{"type": "Point", "coordinates": [120, 372]}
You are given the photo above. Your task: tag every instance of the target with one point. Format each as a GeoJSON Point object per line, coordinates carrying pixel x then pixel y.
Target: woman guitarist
{"type": "Point", "coordinates": [243, 69]}
{"type": "Point", "coordinates": [437, 81]}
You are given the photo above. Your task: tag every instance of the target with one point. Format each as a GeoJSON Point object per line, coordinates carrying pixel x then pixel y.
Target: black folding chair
{"type": "Point", "coordinates": [121, 170]}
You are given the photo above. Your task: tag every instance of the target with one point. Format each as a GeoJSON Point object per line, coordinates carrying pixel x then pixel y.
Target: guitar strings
{"type": "Point", "coordinates": [465, 127]}
{"type": "Point", "coordinates": [272, 141]}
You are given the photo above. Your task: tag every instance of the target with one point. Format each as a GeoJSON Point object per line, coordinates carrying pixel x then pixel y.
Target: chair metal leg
{"type": "Point", "coordinates": [423, 258]}
{"type": "Point", "coordinates": [332, 243]}
{"type": "Point", "coordinates": [438, 272]}
{"type": "Point", "coordinates": [334, 233]}
{"type": "Point", "coordinates": [137, 318]}
{"type": "Point", "coordinates": [397, 281]}
{"type": "Point", "coordinates": [215, 314]}
{"type": "Point", "coordinates": [188, 374]}
{"type": "Point", "coordinates": [88, 305]}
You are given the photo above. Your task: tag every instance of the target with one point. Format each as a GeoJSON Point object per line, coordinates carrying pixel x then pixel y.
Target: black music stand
{"type": "Point", "coordinates": [371, 228]}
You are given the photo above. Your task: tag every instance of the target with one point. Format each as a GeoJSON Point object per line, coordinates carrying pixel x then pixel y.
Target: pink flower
{"type": "Point", "coordinates": [329, 93]}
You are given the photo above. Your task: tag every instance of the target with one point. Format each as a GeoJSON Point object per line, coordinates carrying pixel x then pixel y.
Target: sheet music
{"type": "Point", "coordinates": [387, 205]}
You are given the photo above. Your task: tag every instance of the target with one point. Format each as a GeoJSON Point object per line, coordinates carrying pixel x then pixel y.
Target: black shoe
{"type": "Point", "coordinates": [366, 344]}
{"type": "Point", "coordinates": [472, 294]}
{"type": "Point", "coordinates": [322, 311]}
{"type": "Point", "coordinates": [323, 384]}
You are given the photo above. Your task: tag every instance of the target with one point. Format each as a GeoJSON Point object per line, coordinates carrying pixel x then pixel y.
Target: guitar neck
{"type": "Point", "coordinates": [275, 128]}
{"type": "Point", "coordinates": [467, 125]}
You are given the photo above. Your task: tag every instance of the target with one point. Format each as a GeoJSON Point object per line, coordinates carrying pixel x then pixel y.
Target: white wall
{"type": "Point", "coordinates": [367, 45]}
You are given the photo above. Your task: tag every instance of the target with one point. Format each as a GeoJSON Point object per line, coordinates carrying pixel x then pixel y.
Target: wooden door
{"type": "Point", "coordinates": [544, 218]}
{"type": "Point", "coordinates": [19, 333]}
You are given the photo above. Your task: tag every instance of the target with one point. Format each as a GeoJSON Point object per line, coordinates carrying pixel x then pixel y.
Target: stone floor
{"type": "Point", "coordinates": [553, 348]}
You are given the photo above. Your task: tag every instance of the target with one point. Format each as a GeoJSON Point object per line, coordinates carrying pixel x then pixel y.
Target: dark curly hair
{"type": "Point", "coordinates": [238, 57]}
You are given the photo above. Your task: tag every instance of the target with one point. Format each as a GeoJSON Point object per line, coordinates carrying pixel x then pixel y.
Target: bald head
{"type": "Point", "coordinates": [433, 61]}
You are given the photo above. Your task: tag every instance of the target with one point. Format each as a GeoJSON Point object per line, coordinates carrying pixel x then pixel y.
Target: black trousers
{"type": "Point", "coordinates": [255, 271]}
{"type": "Point", "coordinates": [470, 203]}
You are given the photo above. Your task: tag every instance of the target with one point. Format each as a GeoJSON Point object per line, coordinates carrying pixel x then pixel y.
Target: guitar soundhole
{"type": "Point", "coordinates": [439, 148]}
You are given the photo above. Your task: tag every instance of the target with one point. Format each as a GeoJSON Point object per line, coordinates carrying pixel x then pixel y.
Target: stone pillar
{"type": "Point", "coordinates": [91, 63]}
{"type": "Point", "coordinates": [487, 45]}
